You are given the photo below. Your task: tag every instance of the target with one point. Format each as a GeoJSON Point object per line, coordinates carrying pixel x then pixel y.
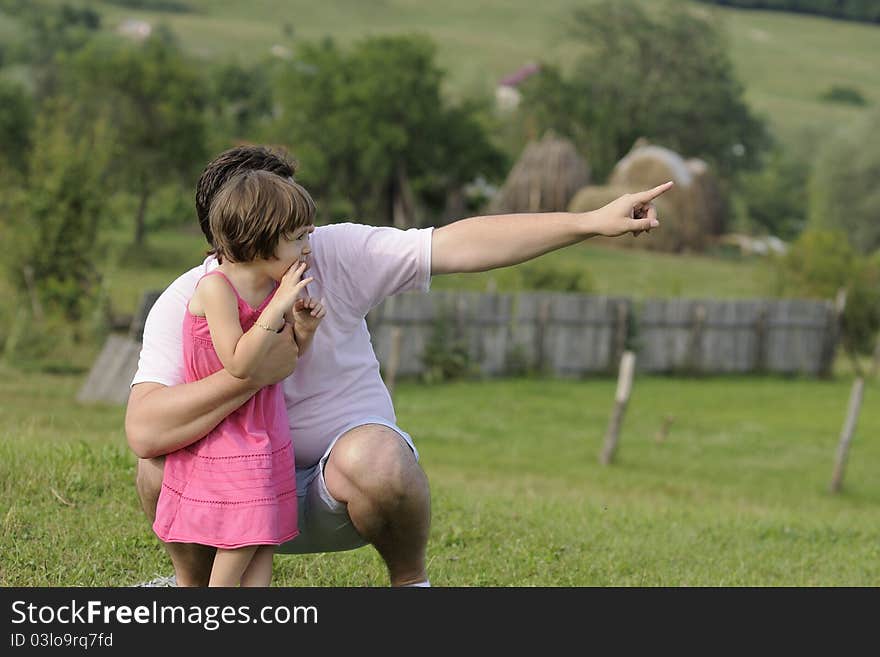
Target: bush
{"type": "Point", "coordinates": [446, 356]}
{"type": "Point", "coordinates": [843, 190]}
{"type": "Point", "coordinates": [845, 95]}
{"type": "Point", "coordinates": [540, 275]}
{"type": "Point", "coordinates": [773, 196]}
{"type": "Point", "coordinates": [821, 263]}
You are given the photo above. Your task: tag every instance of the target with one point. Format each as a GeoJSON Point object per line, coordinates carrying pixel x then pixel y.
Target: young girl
{"type": "Point", "coordinates": [235, 489]}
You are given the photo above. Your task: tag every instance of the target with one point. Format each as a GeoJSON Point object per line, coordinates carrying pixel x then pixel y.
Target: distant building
{"type": "Point", "coordinates": [282, 52]}
{"type": "Point", "coordinates": [135, 29]}
{"type": "Point", "coordinates": [507, 94]}
{"type": "Point", "coordinates": [752, 245]}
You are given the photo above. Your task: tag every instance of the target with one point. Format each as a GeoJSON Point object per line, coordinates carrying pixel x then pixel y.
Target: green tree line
{"type": "Point", "coordinates": [867, 11]}
{"type": "Point", "coordinates": [100, 133]}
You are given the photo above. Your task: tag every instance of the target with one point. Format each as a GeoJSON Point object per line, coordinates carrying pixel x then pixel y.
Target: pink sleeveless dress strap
{"type": "Point", "coordinates": [237, 485]}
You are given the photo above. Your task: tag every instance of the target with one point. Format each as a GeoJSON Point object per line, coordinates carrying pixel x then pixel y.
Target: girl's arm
{"type": "Point", "coordinates": [303, 339]}
{"type": "Point", "coordinates": [240, 352]}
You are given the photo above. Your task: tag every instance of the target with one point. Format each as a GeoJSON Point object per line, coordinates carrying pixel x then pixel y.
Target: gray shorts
{"type": "Point", "coordinates": [324, 523]}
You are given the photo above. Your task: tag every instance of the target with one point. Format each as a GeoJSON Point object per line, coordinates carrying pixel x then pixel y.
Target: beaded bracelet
{"type": "Point", "coordinates": [268, 328]}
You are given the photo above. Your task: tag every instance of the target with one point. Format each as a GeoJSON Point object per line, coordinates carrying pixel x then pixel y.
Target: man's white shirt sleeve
{"type": "Point", "coordinates": [161, 357]}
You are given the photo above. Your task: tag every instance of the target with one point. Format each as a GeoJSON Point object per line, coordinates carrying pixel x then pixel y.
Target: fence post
{"type": "Point", "coordinates": [849, 428]}
{"type": "Point", "coordinates": [833, 333]}
{"type": "Point", "coordinates": [621, 398]}
{"type": "Point", "coordinates": [761, 340]}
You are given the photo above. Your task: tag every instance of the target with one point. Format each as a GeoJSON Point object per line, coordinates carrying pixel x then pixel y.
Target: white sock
{"type": "Point", "coordinates": [425, 584]}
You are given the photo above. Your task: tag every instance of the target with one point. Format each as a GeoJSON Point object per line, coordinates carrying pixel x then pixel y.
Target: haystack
{"type": "Point", "coordinates": [714, 202]}
{"type": "Point", "coordinates": [594, 197]}
{"type": "Point", "coordinates": [544, 179]}
{"type": "Point", "coordinates": [690, 213]}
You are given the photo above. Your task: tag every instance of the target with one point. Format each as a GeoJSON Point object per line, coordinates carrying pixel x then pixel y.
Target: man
{"type": "Point", "coordinates": [358, 477]}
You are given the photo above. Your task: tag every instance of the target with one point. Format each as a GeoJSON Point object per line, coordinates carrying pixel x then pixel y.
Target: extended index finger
{"type": "Point", "coordinates": [651, 194]}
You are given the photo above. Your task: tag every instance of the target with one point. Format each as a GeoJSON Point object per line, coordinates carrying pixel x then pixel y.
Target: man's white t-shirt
{"type": "Point", "coordinates": [336, 383]}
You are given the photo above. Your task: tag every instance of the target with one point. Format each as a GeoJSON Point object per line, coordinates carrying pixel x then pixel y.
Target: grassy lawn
{"type": "Point", "coordinates": [637, 274]}
{"type": "Point", "coordinates": [736, 495]}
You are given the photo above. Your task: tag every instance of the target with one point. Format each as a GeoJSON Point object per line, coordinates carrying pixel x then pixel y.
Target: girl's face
{"type": "Point", "coordinates": [291, 249]}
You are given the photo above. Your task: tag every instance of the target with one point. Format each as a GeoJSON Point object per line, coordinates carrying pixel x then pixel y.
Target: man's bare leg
{"type": "Point", "coordinates": [374, 472]}
{"type": "Point", "coordinates": [259, 572]}
{"type": "Point", "coordinates": [192, 563]}
{"type": "Point", "coordinates": [229, 565]}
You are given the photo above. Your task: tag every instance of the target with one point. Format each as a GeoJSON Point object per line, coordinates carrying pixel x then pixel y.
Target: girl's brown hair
{"type": "Point", "coordinates": [253, 211]}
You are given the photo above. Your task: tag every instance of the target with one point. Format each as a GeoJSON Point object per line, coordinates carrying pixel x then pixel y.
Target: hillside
{"type": "Point", "coordinates": [786, 61]}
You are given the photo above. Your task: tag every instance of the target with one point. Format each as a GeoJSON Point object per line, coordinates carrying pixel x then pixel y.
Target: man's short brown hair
{"type": "Point", "coordinates": [253, 211]}
{"type": "Point", "coordinates": [228, 164]}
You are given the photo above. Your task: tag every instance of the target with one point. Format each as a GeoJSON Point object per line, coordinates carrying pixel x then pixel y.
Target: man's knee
{"type": "Point", "coordinates": [149, 483]}
{"type": "Point", "coordinates": [374, 460]}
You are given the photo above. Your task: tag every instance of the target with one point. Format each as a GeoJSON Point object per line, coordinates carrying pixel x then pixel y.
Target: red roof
{"type": "Point", "coordinates": [519, 75]}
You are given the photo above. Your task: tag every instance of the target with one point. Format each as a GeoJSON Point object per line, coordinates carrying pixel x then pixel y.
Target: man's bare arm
{"type": "Point", "coordinates": [488, 242]}
{"type": "Point", "coordinates": [161, 419]}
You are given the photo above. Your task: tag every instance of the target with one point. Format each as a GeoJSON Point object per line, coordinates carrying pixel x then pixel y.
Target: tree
{"type": "Point", "coordinates": [240, 99]}
{"type": "Point", "coordinates": [154, 101]}
{"type": "Point", "coordinates": [45, 33]}
{"type": "Point", "coordinates": [55, 224]}
{"type": "Point", "coordinates": [844, 194]}
{"type": "Point", "coordinates": [822, 262]}
{"type": "Point", "coordinates": [664, 75]}
{"type": "Point", "coordinates": [857, 10]}
{"type": "Point", "coordinates": [16, 123]}
{"type": "Point", "coordinates": [774, 195]}
{"type": "Point", "coordinates": [371, 126]}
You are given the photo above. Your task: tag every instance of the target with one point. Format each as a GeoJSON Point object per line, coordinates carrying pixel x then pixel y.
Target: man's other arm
{"type": "Point", "coordinates": [161, 419]}
{"type": "Point", "coordinates": [488, 242]}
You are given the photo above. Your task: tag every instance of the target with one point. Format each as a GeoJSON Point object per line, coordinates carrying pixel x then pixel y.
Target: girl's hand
{"type": "Point", "coordinates": [307, 314]}
{"type": "Point", "coordinates": [291, 286]}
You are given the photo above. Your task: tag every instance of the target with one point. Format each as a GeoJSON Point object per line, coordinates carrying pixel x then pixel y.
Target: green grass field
{"type": "Point", "coordinates": [785, 61]}
{"type": "Point", "coordinates": [736, 495]}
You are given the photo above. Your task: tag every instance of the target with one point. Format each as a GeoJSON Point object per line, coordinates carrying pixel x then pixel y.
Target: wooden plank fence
{"type": "Point", "coordinates": [111, 374]}
{"type": "Point", "coordinates": [784, 336]}
{"type": "Point", "coordinates": [564, 335]}
{"type": "Point", "coordinates": [571, 335]}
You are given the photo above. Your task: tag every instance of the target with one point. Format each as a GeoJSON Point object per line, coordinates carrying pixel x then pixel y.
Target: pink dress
{"type": "Point", "coordinates": [237, 485]}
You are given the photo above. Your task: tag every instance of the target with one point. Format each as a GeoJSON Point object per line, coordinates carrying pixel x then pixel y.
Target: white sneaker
{"type": "Point", "coordinates": [159, 582]}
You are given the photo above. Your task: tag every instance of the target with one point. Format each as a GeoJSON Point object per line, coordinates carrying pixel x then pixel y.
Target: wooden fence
{"type": "Point", "coordinates": [571, 335]}
{"type": "Point", "coordinates": [565, 335]}
{"type": "Point", "coordinates": [785, 336]}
